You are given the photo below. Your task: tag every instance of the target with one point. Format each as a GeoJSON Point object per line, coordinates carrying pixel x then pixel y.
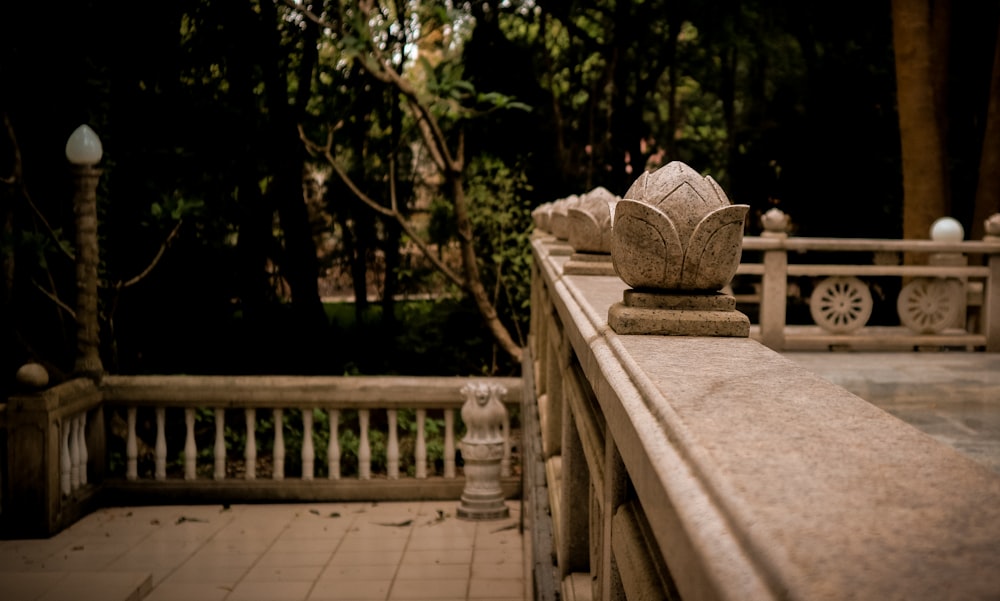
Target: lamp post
{"type": "Point", "coordinates": [84, 151]}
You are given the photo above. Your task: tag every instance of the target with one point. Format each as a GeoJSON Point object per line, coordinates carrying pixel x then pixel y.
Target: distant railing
{"type": "Point", "coordinates": [945, 301]}
{"type": "Point", "coordinates": [259, 416]}
{"type": "Point", "coordinates": [231, 439]}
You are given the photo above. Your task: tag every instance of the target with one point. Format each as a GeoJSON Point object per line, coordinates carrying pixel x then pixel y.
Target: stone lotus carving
{"type": "Point", "coordinates": [676, 229]}
{"type": "Point", "coordinates": [590, 221]}
{"type": "Point", "coordinates": [559, 216]}
{"type": "Point", "coordinates": [541, 216]}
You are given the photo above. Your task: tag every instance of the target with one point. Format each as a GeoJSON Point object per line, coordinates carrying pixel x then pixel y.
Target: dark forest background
{"type": "Point", "coordinates": [204, 108]}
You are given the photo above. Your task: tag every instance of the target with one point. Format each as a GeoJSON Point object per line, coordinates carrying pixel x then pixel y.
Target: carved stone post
{"type": "Point", "coordinates": [774, 287]}
{"type": "Point", "coordinates": [677, 240]}
{"type": "Point", "coordinates": [482, 452]}
{"type": "Point", "coordinates": [991, 302]}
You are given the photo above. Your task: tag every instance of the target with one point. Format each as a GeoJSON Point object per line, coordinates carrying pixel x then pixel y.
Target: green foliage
{"type": "Point", "coordinates": [500, 211]}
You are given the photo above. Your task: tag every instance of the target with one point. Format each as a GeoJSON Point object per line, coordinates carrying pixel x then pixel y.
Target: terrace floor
{"type": "Point", "coordinates": [315, 552]}
{"type": "Point", "coordinates": [395, 551]}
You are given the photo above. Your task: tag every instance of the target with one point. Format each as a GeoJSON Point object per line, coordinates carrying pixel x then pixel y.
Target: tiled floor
{"type": "Point", "coordinates": [315, 552]}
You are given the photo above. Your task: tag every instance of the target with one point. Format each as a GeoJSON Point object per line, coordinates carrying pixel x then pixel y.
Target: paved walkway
{"type": "Point", "coordinates": [315, 552]}
{"type": "Point", "coordinates": [953, 396]}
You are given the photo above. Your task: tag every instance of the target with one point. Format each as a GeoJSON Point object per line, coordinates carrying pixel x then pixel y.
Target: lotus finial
{"type": "Point", "coordinates": [676, 229]}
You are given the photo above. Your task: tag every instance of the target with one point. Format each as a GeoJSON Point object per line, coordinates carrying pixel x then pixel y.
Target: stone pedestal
{"type": "Point", "coordinates": [675, 313]}
{"type": "Point", "coordinates": [482, 453]}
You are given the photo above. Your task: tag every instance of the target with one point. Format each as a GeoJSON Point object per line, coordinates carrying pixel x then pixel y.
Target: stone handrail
{"type": "Point", "coordinates": [62, 441]}
{"type": "Point", "coordinates": [944, 302]}
{"type": "Point", "coordinates": [54, 458]}
{"type": "Point", "coordinates": [244, 403]}
{"type": "Point", "coordinates": [714, 468]}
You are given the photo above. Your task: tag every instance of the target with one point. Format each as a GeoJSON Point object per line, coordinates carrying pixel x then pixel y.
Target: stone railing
{"type": "Point", "coordinates": [948, 296]}
{"type": "Point", "coordinates": [194, 439]}
{"type": "Point", "coordinates": [54, 458]}
{"type": "Point", "coordinates": [686, 460]}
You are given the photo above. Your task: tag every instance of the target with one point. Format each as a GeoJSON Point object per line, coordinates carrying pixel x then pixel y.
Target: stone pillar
{"type": "Point", "coordinates": [677, 240]}
{"type": "Point", "coordinates": [774, 284]}
{"type": "Point", "coordinates": [991, 300]}
{"type": "Point", "coordinates": [482, 452]}
{"type": "Point", "coordinates": [948, 229]}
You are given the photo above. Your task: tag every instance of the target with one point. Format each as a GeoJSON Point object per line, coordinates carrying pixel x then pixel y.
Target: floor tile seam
{"type": "Point", "coordinates": [399, 564]}
{"type": "Point", "coordinates": [326, 565]}
{"type": "Point", "coordinates": [261, 555]}
{"type": "Point", "coordinates": [195, 550]}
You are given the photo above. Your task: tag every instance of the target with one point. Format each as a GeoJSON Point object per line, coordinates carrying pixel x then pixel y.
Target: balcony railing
{"type": "Point", "coordinates": [949, 296]}
{"type": "Point", "coordinates": [190, 439]}
{"type": "Point", "coordinates": [713, 468]}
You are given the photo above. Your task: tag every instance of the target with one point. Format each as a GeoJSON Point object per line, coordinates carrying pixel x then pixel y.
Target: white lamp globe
{"type": "Point", "coordinates": [947, 229]}
{"type": "Point", "coordinates": [84, 147]}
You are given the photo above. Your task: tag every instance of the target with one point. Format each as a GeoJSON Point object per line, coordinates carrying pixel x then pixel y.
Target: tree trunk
{"type": "Point", "coordinates": [988, 187]}
{"type": "Point", "coordinates": [924, 182]}
{"type": "Point", "coordinates": [299, 263]}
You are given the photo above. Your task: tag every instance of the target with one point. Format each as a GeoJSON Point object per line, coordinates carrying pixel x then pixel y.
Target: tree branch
{"type": "Point", "coordinates": [52, 297]}
{"type": "Point", "coordinates": [327, 153]}
{"type": "Point", "coordinates": [156, 259]}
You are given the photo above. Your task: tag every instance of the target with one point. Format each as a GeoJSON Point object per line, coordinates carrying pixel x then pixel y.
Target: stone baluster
{"type": "Point", "coordinates": [333, 448]}
{"type": "Point", "coordinates": [420, 452]}
{"type": "Point", "coordinates": [364, 448]}
{"type": "Point", "coordinates": [65, 467]}
{"type": "Point", "coordinates": [131, 446]}
{"type": "Point", "coordinates": [190, 448]}
{"type": "Point", "coordinates": [84, 454]}
{"type": "Point", "coordinates": [74, 453]}
{"type": "Point", "coordinates": [482, 450]}
{"type": "Point", "coordinates": [449, 443]}
{"type": "Point", "coordinates": [160, 450]}
{"type": "Point", "coordinates": [250, 451]}
{"type": "Point", "coordinates": [308, 451]}
{"type": "Point", "coordinates": [278, 455]}
{"type": "Point", "coordinates": [505, 460]}
{"type": "Point", "coordinates": [220, 444]}
{"type": "Point", "coordinates": [392, 447]}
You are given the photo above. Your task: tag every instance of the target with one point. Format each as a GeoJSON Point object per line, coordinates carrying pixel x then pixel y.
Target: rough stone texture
{"type": "Point", "coordinates": [584, 263]}
{"type": "Point", "coordinates": [762, 480]}
{"type": "Point", "coordinates": [559, 216]}
{"type": "Point", "coordinates": [692, 301]}
{"type": "Point", "coordinates": [677, 322]}
{"type": "Point", "coordinates": [482, 450]}
{"type": "Point", "coordinates": [590, 222]}
{"type": "Point", "coordinates": [676, 229]}
{"type": "Point", "coordinates": [541, 216]}
{"type": "Point", "coordinates": [32, 376]}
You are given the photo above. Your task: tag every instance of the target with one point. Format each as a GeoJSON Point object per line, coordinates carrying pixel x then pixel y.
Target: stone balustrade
{"type": "Point", "coordinates": [684, 461]}
{"type": "Point", "coordinates": [949, 296]}
{"type": "Point", "coordinates": [167, 439]}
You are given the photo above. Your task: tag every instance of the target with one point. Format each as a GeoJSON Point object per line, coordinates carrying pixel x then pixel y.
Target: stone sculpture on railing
{"type": "Point", "coordinates": [677, 241]}
{"type": "Point", "coordinates": [590, 233]}
{"type": "Point", "coordinates": [483, 451]}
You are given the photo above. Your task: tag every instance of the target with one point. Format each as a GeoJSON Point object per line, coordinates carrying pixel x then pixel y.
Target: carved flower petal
{"type": "Point", "coordinates": [587, 230]}
{"type": "Point", "coordinates": [645, 249]}
{"type": "Point", "coordinates": [713, 252]}
{"type": "Point", "coordinates": [637, 191]}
